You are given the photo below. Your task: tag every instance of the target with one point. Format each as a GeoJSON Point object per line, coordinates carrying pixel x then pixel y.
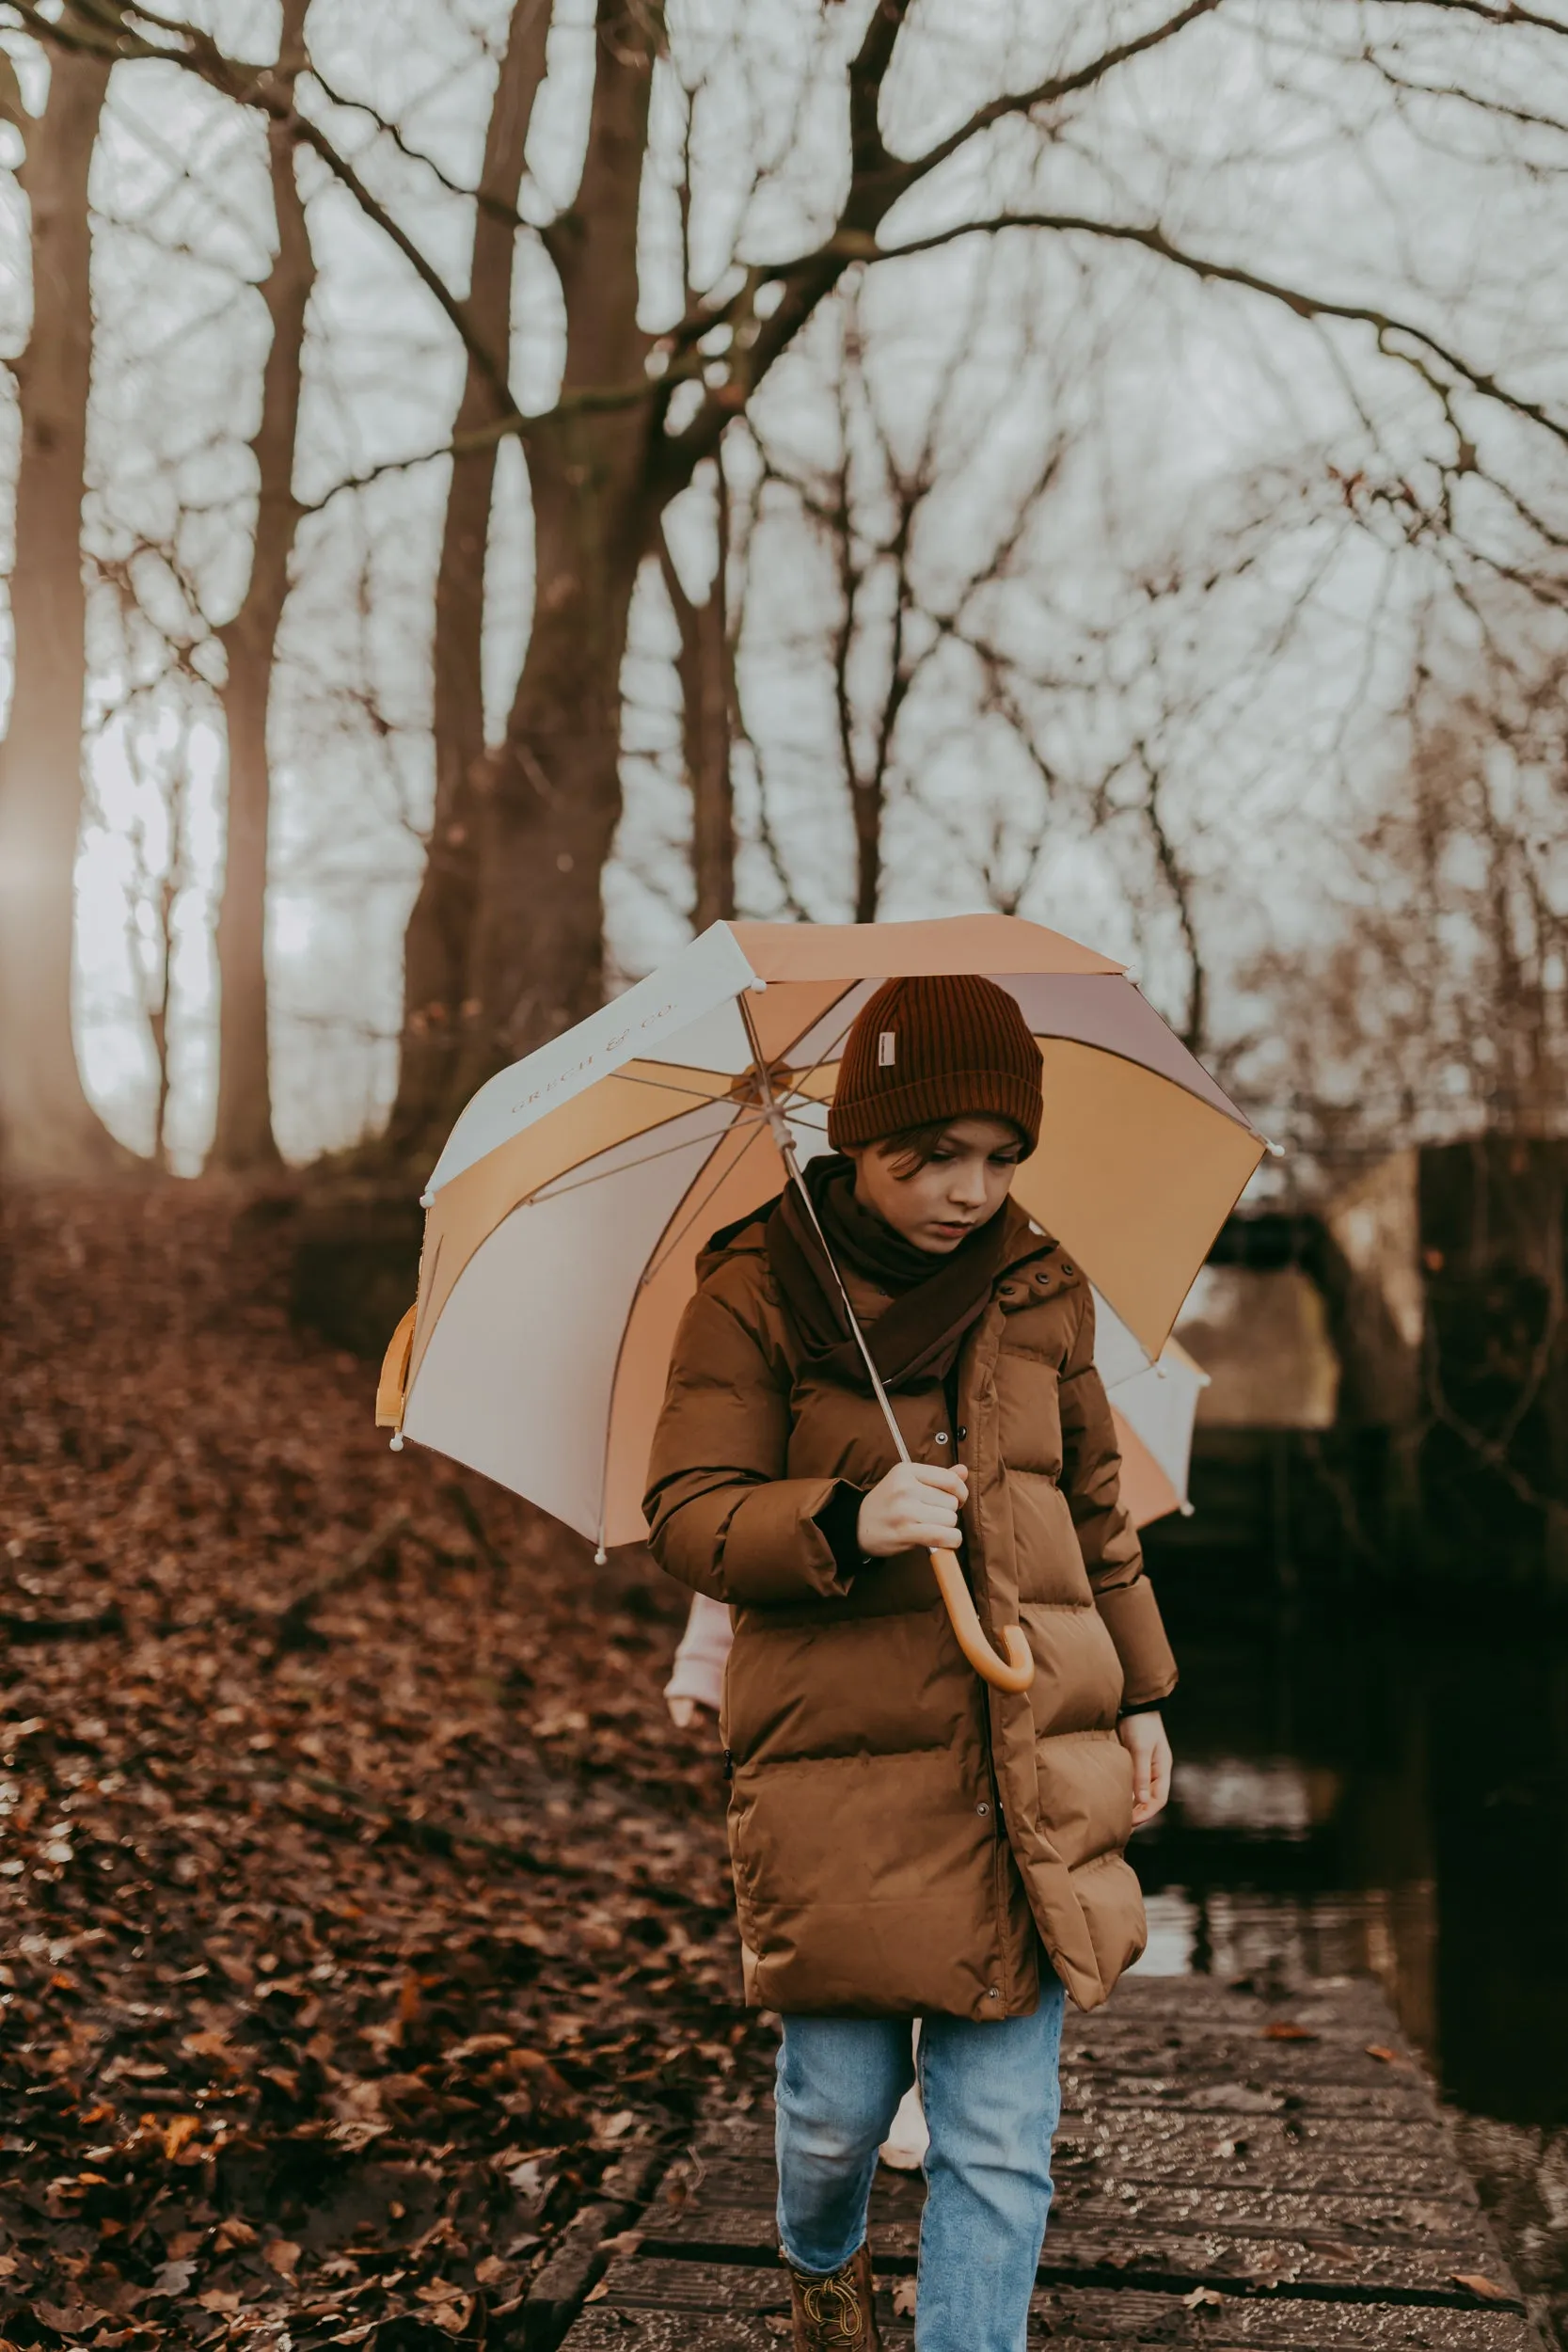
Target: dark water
{"type": "Point", "coordinates": [1382, 1791]}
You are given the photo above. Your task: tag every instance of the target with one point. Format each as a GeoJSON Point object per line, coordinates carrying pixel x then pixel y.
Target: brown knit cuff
{"type": "Point", "coordinates": [954, 1094]}
{"type": "Point", "coordinates": [1131, 1616]}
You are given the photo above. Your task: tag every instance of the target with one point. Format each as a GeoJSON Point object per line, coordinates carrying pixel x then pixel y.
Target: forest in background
{"type": "Point", "coordinates": [494, 488]}
{"type": "Point", "coordinates": [493, 497]}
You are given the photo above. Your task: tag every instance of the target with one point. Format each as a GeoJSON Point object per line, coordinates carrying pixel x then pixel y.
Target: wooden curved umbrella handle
{"type": "Point", "coordinates": [1018, 1672]}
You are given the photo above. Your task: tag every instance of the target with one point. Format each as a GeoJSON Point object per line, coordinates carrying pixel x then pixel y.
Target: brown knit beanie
{"type": "Point", "coordinates": [945, 1045]}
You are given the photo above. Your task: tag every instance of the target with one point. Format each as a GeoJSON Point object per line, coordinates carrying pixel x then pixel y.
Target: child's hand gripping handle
{"type": "Point", "coordinates": [918, 1503]}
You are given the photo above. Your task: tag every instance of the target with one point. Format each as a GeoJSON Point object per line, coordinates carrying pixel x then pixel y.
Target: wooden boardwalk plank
{"type": "Point", "coordinates": [1185, 2257]}
{"type": "Point", "coordinates": [1287, 2151]}
{"type": "Point", "coordinates": [1221, 2183]}
{"type": "Point", "coordinates": [725, 2306]}
{"type": "Point", "coordinates": [1117, 2199]}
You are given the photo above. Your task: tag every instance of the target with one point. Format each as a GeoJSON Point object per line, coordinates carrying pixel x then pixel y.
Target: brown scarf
{"type": "Point", "coordinates": [935, 1300]}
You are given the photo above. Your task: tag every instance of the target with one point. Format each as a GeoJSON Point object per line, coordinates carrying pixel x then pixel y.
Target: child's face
{"type": "Point", "coordinates": [962, 1185]}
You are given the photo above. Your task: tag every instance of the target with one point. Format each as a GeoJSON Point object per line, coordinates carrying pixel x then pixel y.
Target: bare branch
{"type": "Point", "coordinates": [1504, 13]}
{"type": "Point", "coordinates": [486, 198]}
{"type": "Point", "coordinates": [97, 28]}
{"type": "Point", "coordinates": [1051, 92]}
{"type": "Point", "coordinates": [1152, 239]}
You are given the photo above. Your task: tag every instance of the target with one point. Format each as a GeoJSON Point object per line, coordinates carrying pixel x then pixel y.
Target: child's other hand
{"type": "Point", "coordinates": [914, 1504]}
{"type": "Point", "coordinates": [1145, 1740]}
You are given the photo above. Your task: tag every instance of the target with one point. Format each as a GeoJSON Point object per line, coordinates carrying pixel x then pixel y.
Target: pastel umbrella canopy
{"type": "Point", "coordinates": [1153, 1406]}
{"type": "Point", "coordinates": [574, 1196]}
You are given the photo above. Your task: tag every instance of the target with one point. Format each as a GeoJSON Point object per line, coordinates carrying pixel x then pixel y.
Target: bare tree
{"type": "Point", "coordinates": [443, 1050]}
{"type": "Point", "coordinates": [638, 411]}
{"type": "Point", "coordinates": [1138, 790]}
{"type": "Point", "coordinates": [243, 1138]}
{"type": "Point", "coordinates": [908, 602]}
{"type": "Point", "coordinates": [704, 669]}
{"type": "Point", "coordinates": [160, 878]}
{"type": "Point", "coordinates": [47, 1126]}
{"type": "Point", "coordinates": [1437, 1004]}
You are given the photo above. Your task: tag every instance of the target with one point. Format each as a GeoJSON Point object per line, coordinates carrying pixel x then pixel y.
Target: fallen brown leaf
{"type": "Point", "coordinates": [1381, 2050]}
{"type": "Point", "coordinates": [331, 1892]}
{"type": "Point", "coordinates": [178, 2131]}
{"type": "Point", "coordinates": [1480, 2284]}
{"type": "Point", "coordinates": [1283, 2030]}
{"type": "Point", "coordinates": [903, 2297]}
{"type": "Point", "coordinates": [1200, 2296]}
{"type": "Point", "coordinates": [447, 2306]}
{"type": "Point", "coordinates": [282, 2255]}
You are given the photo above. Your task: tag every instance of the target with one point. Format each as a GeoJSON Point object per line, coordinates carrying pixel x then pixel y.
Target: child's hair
{"type": "Point", "coordinates": [912, 1149]}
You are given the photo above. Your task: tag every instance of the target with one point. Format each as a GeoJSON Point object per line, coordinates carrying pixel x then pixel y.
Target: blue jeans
{"type": "Point", "coordinates": [991, 2099]}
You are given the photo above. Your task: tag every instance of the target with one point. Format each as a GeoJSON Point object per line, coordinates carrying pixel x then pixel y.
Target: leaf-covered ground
{"type": "Point", "coordinates": [360, 1907]}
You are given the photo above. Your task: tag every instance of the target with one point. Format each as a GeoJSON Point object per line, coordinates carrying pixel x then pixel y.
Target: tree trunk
{"type": "Point", "coordinates": [47, 1127]}
{"type": "Point", "coordinates": [867, 806]}
{"type": "Point", "coordinates": [243, 1137]}
{"type": "Point", "coordinates": [520, 887]}
{"type": "Point", "coordinates": [705, 693]}
{"type": "Point", "coordinates": [706, 668]}
{"type": "Point", "coordinates": [554, 794]}
{"type": "Point", "coordinates": [555, 797]}
{"type": "Point", "coordinates": [439, 1004]}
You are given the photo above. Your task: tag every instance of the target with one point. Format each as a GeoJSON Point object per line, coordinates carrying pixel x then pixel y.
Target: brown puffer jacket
{"type": "Point", "coordinates": [898, 1830]}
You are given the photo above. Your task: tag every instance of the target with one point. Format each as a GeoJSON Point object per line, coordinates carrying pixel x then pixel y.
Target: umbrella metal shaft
{"type": "Point", "coordinates": [1016, 1670]}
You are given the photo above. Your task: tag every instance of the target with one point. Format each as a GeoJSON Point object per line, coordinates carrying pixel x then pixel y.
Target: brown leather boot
{"type": "Point", "coordinates": [835, 2314]}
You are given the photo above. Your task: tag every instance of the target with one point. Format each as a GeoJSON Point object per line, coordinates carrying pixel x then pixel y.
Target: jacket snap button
{"type": "Point", "coordinates": [1067, 1269]}
{"type": "Point", "coordinates": [962, 1430]}
{"type": "Point", "coordinates": [942, 1437]}
{"type": "Point", "coordinates": [982, 1808]}
{"type": "Point", "coordinates": [995, 1993]}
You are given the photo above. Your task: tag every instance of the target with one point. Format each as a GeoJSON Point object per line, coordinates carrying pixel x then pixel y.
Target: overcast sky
{"type": "Point", "coordinates": [1195, 580]}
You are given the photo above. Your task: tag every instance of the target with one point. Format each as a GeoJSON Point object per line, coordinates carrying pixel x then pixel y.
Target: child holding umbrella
{"type": "Point", "coordinates": [908, 1841]}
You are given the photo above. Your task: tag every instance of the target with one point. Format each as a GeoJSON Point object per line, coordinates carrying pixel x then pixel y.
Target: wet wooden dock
{"type": "Point", "coordinates": [1233, 2172]}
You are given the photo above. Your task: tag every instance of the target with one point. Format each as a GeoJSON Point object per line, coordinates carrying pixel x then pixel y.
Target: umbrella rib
{"type": "Point", "coordinates": [848, 990]}
{"type": "Point", "coordinates": [795, 1084]}
{"type": "Point", "coordinates": [673, 1232]}
{"type": "Point", "coordinates": [555, 1187]}
{"type": "Point", "coordinates": [668, 1085]}
{"type": "Point", "coordinates": [1225, 1108]}
{"type": "Point", "coordinates": [756, 1121]}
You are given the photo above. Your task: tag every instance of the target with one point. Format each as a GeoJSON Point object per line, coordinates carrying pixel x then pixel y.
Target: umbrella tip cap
{"type": "Point", "coordinates": [600, 1557]}
{"type": "Point", "coordinates": [397, 1441]}
{"type": "Point", "coordinates": [427, 1199]}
